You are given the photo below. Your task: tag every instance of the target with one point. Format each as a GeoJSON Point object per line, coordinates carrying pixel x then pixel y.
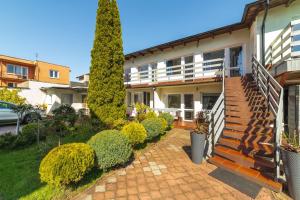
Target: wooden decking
{"type": "Point", "coordinates": [184, 125]}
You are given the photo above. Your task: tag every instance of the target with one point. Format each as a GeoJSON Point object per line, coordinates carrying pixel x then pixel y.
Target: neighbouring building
{"type": "Point", "coordinates": [42, 82]}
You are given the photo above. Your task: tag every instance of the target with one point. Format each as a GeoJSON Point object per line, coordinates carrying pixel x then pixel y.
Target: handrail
{"type": "Point", "coordinates": [273, 93]}
{"type": "Point", "coordinates": [216, 119]}
{"type": "Point", "coordinates": [281, 48]}
{"type": "Point", "coordinates": [182, 72]}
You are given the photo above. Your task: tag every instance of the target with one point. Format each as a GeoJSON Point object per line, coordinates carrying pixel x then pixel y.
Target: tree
{"type": "Point", "coordinates": [20, 110]}
{"type": "Point", "coordinates": [106, 91]}
{"type": "Point", "coordinates": [11, 96]}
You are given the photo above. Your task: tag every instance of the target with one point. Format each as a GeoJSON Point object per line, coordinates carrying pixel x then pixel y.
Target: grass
{"type": "Point", "coordinates": [19, 175]}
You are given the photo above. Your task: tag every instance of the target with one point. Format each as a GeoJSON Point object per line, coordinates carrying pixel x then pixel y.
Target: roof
{"type": "Point", "coordinates": [250, 12]}
{"type": "Point", "coordinates": [25, 61]}
{"type": "Point", "coordinates": [77, 86]}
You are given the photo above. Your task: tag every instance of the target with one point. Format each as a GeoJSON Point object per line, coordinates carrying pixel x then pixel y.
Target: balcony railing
{"type": "Point", "coordinates": [285, 46]}
{"type": "Point", "coordinates": [184, 72]}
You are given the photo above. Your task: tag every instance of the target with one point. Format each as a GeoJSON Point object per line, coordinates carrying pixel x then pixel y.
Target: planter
{"type": "Point", "coordinates": [197, 146]}
{"type": "Point", "coordinates": [291, 163]}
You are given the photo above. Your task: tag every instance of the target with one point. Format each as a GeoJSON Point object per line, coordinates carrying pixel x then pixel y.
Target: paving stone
{"type": "Point", "coordinates": [169, 174]}
{"type": "Point", "coordinates": [100, 188]}
{"type": "Point", "coordinates": [112, 179]}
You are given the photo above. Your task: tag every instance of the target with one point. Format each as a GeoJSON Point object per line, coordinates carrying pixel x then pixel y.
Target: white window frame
{"type": "Point", "coordinates": [51, 73]}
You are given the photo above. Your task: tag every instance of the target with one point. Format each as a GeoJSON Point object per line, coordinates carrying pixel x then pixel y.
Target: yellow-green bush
{"type": "Point", "coordinates": [67, 164]}
{"type": "Point", "coordinates": [154, 127]}
{"type": "Point", "coordinates": [164, 124]}
{"type": "Point", "coordinates": [111, 148]}
{"type": "Point", "coordinates": [150, 114]}
{"type": "Point", "coordinates": [11, 96]}
{"type": "Point", "coordinates": [135, 132]}
{"type": "Point", "coordinates": [168, 117]}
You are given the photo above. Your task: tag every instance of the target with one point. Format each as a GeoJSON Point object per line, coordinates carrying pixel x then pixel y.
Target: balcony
{"type": "Point", "coordinates": [185, 73]}
{"type": "Point", "coordinates": [283, 54]}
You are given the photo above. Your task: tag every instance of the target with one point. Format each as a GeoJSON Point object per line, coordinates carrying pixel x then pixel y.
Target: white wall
{"type": "Point", "coordinates": [236, 38]}
{"type": "Point", "coordinates": [278, 18]}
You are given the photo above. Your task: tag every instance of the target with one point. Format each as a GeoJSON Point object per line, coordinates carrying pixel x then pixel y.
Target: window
{"type": "Point", "coordinates": [129, 99]}
{"type": "Point", "coordinates": [146, 96]}
{"type": "Point", "coordinates": [127, 75]}
{"type": "Point", "coordinates": [209, 100]}
{"type": "Point", "coordinates": [11, 85]}
{"type": "Point", "coordinates": [171, 70]}
{"type": "Point", "coordinates": [67, 99]}
{"type": "Point", "coordinates": [54, 74]}
{"type": "Point", "coordinates": [189, 67]}
{"type": "Point", "coordinates": [17, 70]}
{"type": "Point", "coordinates": [174, 101]}
{"type": "Point", "coordinates": [137, 97]}
{"type": "Point", "coordinates": [210, 56]}
{"type": "Point", "coordinates": [143, 72]}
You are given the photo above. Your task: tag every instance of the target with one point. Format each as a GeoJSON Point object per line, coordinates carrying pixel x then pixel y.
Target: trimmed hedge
{"type": "Point", "coordinates": [111, 147]}
{"type": "Point", "coordinates": [164, 124]}
{"type": "Point", "coordinates": [168, 117]}
{"type": "Point", "coordinates": [154, 127]}
{"type": "Point", "coordinates": [67, 164]}
{"type": "Point", "coordinates": [7, 140]}
{"type": "Point", "coordinates": [27, 136]}
{"type": "Point", "coordinates": [150, 114]}
{"type": "Point", "coordinates": [135, 132]}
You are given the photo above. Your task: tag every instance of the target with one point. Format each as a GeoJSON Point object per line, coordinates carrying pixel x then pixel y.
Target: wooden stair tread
{"type": "Point", "coordinates": [249, 174]}
{"type": "Point", "coordinates": [242, 159]}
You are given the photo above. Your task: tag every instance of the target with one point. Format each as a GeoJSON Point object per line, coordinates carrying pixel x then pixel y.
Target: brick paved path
{"type": "Point", "coordinates": [166, 172]}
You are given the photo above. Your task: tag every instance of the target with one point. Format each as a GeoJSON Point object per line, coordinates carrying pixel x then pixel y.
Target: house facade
{"type": "Point", "coordinates": [41, 82]}
{"type": "Point", "coordinates": [184, 75]}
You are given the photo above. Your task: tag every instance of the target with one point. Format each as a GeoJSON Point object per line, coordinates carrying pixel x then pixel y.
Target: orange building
{"type": "Point", "coordinates": [14, 71]}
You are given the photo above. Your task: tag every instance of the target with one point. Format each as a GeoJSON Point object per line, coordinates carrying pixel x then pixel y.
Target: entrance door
{"type": "Point", "coordinates": [188, 107]}
{"type": "Point", "coordinates": [236, 61]}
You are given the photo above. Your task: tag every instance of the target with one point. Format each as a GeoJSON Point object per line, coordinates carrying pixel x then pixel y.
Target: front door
{"type": "Point", "coordinates": [236, 61]}
{"type": "Point", "coordinates": [188, 111]}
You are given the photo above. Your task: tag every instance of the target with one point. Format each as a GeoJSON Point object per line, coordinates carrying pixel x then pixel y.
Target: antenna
{"type": "Point", "coordinates": [36, 56]}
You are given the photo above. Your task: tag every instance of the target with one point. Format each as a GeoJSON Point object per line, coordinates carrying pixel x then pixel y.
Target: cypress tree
{"type": "Point", "coordinates": [106, 91]}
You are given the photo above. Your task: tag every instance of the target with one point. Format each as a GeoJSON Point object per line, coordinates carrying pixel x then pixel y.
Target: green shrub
{"type": "Point", "coordinates": [150, 114]}
{"type": "Point", "coordinates": [65, 114]}
{"type": "Point", "coordinates": [168, 117]}
{"type": "Point", "coordinates": [7, 140]}
{"type": "Point", "coordinates": [27, 136]}
{"type": "Point", "coordinates": [153, 126]}
{"type": "Point", "coordinates": [119, 124]}
{"type": "Point", "coordinates": [66, 164]}
{"type": "Point", "coordinates": [111, 147]}
{"type": "Point", "coordinates": [141, 110]}
{"type": "Point", "coordinates": [164, 124]}
{"type": "Point", "coordinates": [135, 132]}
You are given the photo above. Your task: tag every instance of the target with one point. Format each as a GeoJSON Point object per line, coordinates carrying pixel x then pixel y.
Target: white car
{"type": "Point", "coordinates": [8, 116]}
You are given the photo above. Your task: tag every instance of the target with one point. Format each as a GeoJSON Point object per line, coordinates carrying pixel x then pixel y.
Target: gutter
{"type": "Point", "coordinates": [267, 3]}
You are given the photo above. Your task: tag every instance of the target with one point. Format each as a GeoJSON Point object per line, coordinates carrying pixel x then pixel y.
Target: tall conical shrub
{"type": "Point", "coordinates": [106, 91]}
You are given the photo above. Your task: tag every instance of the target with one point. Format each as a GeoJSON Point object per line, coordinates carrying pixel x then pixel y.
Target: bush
{"type": "Point", "coordinates": [168, 117]}
{"type": "Point", "coordinates": [67, 164]}
{"type": "Point", "coordinates": [135, 132]}
{"type": "Point", "coordinates": [164, 124]}
{"type": "Point", "coordinates": [150, 114]}
{"type": "Point", "coordinates": [11, 96]}
{"type": "Point", "coordinates": [154, 127]}
{"type": "Point", "coordinates": [7, 140]}
{"type": "Point", "coordinates": [65, 114]}
{"type": "Point", "coordinates": [111, 147]}
{"type": "Point", "coordinates": [27, 136]}
{"type": "Point", "coordinates": [119, 124]}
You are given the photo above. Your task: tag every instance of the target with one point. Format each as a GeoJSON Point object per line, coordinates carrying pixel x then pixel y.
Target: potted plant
{"type": "Point", "coordinates": [290, 151]}
{"type": "Point", "coordinates": [198, 136]}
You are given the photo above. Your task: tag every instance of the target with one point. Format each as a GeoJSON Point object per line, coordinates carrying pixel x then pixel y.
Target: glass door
{"type": "Point", "coordinates": [188, 67]}
{"type": "Point", "coordinates": [236, 61]}
{"type": "Point", "coordinates": [188, 107]}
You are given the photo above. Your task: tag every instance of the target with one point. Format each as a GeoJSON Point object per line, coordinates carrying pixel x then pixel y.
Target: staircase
{"type": "Point", "coordinates": [245, 147]}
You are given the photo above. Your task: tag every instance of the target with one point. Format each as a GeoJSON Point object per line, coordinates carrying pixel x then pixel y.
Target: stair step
{"type": "Point", "coordinates": [248, 129]}
{"type": "Point", "coordinates": [259, 144]}
{"type": "Point", "coordinates": [242, 159]}
{"type": "Point", "coordinates": [249, 174]}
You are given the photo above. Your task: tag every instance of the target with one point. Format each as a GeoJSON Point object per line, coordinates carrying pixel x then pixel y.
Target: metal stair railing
{"type": "Point", "coordinates": [273, 92]}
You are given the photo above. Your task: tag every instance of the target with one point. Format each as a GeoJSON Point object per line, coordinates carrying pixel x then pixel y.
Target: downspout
{"type": "Point", "coordinates": [267, 2]}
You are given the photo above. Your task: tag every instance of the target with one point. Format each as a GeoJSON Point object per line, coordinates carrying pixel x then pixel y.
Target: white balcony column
{"type": "Point", "coordinates": [198, 58]}
{"type": "Point", "coordinates": [227, 61]}
{"type": "Point", "coordinates": [182, 74]}
{"type": "Point", "coordinates": [245, 68]}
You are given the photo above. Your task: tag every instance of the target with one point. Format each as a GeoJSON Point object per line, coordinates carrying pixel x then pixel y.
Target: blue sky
{"type": "Point", "coordinates": [62, 31]}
